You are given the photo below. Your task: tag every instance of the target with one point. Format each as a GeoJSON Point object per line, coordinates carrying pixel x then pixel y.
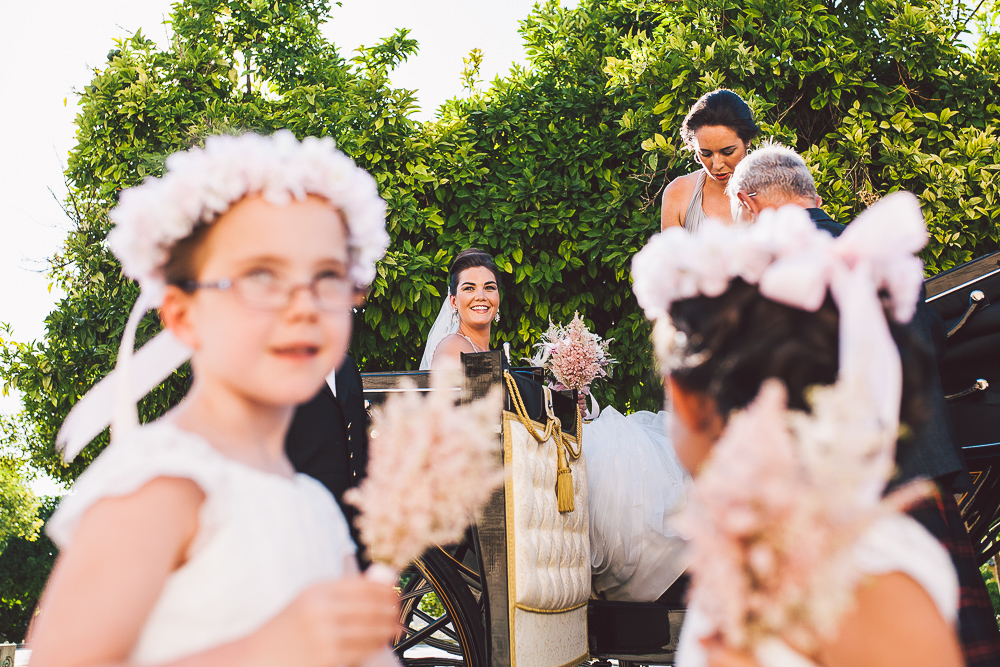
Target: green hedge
{"type": "Point", "coordinates": [555, 169]}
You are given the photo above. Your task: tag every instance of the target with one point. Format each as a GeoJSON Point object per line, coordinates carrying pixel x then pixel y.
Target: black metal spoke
{"type": "Point", "coordinates": [420, 592]}
{"type": "Point", "coordinates": [420, 635]}
{"type": "Point", "coordinates": [433, 662]}
{"type": "Point", "coordinates": [453, 639]}
{"type": "Point", "coordinates": [427, 618]}
{"type": "Point", "coordinates": [474, 584]}
{"type": "Point", "coordinates": [467, 573]}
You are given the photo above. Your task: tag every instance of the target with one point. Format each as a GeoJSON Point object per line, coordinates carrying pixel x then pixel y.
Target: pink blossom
{"type": "Point", "coordinates": [575, 356]}
{"type": "Point", "coordinates": [677, 264]}
{"type": "Point", "coordinates": [774, 511]}
{"type": "Point", "coordinates": [432, 466]}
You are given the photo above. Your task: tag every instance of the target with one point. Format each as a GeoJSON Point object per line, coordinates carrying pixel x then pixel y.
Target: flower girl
{"type": "Point", "coordinates": [191, 540]}
{"type": "Point", "coordinates": [790, 377]}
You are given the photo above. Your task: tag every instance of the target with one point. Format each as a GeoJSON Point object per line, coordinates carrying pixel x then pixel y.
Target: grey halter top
{"type": "Point", "coordinates": [695, 215]}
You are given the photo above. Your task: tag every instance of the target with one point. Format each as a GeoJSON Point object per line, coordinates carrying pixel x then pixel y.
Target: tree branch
{"type": "Point", "coordinates": [959, 31]}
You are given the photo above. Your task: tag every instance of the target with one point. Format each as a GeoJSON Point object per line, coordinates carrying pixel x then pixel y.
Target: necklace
{"type": "Point", "coordinates": [474, 347]}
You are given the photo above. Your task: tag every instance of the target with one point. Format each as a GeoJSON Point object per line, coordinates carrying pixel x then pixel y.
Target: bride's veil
{"type": "Point", "coordinates": [443, 326]}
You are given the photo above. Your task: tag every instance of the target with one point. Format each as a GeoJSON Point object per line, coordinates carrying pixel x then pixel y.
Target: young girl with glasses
{"type": "Point", "coordinates": [191, 540]}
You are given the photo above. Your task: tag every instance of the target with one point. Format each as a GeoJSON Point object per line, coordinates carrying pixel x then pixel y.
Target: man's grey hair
{"type": "Point", "coordinates": [774, 172]}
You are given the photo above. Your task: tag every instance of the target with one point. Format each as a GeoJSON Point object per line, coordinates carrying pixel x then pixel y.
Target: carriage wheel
{"type": "Point", "coordinates": [441, 613]}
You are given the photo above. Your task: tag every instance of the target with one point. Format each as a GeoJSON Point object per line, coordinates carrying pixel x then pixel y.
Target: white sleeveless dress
{"type": "Point", "coordinates": [636, 485]}
{"type": "Point", "coordinates": [895, 543]}
{"type": "Point", "coordinates": [262, 539]}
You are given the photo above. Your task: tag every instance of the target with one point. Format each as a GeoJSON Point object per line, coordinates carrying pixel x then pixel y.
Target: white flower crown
{"type": "Point", "coordinates": [789, 259]}
{"type": "Point", "coordinates": [201, 184]}
{"type": "Point", "coordinates": [794, 263]}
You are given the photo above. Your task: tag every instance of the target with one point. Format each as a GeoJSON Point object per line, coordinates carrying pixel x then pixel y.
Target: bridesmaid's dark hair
{"type": "Point", "coordinates": [468, 259]}
{"type": "Point", "coordinates": [748, 338]}
{"type": "Point", "coordinates": [720, 107]}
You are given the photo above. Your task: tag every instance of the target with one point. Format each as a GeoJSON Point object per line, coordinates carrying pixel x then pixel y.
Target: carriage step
{"type": "Point", "coordinates": [630, 628]}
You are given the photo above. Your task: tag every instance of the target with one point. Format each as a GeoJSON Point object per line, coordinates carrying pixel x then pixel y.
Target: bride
{"type": "Point", "coordinates": [635, 481]}
{"type": "Point", "coordinates": [472, 305]}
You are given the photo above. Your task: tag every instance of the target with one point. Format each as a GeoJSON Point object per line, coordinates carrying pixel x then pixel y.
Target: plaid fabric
{"type": "Point", "coordinates": [977, 625]}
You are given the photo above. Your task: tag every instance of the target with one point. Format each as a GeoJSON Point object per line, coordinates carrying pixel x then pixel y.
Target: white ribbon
{"type": "Point", "coordinates": [112, 401]}
{"type": "Point", "coordinates": [884, 238]}
{"type": "Point", "coordinates": [874, 253]}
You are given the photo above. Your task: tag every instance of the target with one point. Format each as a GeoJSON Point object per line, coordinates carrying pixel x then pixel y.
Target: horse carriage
{"type": "Point", "coordinates": [516, 590]}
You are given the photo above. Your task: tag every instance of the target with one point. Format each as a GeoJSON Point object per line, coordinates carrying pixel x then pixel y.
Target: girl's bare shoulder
{"type": "Point", "coordinates": [895, 622]}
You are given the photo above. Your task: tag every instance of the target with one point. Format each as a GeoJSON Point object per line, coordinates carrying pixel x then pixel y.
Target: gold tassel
{"type": "Point", "coordinates": [564, 490]}
{"type": "Point", "coordinates": [564, 480]}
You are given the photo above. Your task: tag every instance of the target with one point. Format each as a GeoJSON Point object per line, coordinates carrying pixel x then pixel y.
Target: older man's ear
{"type": "Point", "coordinates": [748, 208]}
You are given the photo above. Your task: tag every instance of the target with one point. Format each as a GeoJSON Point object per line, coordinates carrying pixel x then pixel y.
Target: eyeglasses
{"type": "Point", "coordinates": [265, 291]}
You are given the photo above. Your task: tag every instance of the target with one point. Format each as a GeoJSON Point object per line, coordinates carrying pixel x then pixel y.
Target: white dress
{"type": "Point", "coordinates": [262, 539]}
{"type": "Point", "coordinates": [895, 543]}
{"type": "Point", "coordinates": [635, 486]}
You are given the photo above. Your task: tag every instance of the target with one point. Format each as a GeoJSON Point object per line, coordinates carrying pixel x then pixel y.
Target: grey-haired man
{"type": "Point", "coordinates": [771, 177]}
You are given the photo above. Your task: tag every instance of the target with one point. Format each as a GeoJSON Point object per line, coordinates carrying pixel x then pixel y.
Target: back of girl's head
{"type": "Point", "coordinates": [467, 259]}
{"type": "Point", "coordinates": [741, 339]}
{"type": "Point", "coordinates": [723, 108]}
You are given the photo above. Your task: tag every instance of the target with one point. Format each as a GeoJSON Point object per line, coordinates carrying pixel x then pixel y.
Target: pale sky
{"type": "Point", "coordinates": [51, 47]}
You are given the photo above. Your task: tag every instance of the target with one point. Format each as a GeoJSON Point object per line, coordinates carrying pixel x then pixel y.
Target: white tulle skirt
{"type": "Point", "coordinates": [635, 485]}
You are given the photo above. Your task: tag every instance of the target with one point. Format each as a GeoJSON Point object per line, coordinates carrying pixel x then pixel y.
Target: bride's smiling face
{"type": "Point", "coordinates": [477, 296]}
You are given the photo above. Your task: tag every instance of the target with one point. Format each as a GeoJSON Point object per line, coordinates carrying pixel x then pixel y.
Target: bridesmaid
{"type": "Point", "coordinates": [719, 129]}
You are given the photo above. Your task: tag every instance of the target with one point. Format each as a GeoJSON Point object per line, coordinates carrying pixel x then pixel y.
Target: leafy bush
{"type": "Point", "coordinates": [18, 504]}
{"type": "Point", "coordinates": [992, 587]}
{"type": "Point", "coordinates": [556, 170]}
{"type": "Point", "coordinates": [24, 568]}
{"type": "Point", "coordinates": [878, 96]}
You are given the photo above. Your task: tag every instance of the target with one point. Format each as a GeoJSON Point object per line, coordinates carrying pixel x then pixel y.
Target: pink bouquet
{"type": "Point", "coordinates": [432, 465]}
{"type": "Point", "coordinates": [575, 356]}
{"type": "Point", "coordinates": [774, 513]}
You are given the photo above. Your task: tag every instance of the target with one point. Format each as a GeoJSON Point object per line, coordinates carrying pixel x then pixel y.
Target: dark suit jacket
{"type": "Point", "coordinates": [825, 222]}
{"type": "Point", "coordinates": [328, 437]}
{"type": "Point", "coordinates": [931, 451]}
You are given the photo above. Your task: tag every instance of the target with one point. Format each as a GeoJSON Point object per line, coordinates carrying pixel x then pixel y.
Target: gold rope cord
{"type": "Point", "coordinates": [564, 475]}
{"type": "Point", "coordinates": [565, 442]}
{"type": "Point", "coordinates": [522, 411]}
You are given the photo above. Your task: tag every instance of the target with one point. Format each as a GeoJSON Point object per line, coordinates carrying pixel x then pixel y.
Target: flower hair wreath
{"type": "Point", "coordinates": [197, 187]}
{"type": "Point", "coordinates": [203, 183]}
